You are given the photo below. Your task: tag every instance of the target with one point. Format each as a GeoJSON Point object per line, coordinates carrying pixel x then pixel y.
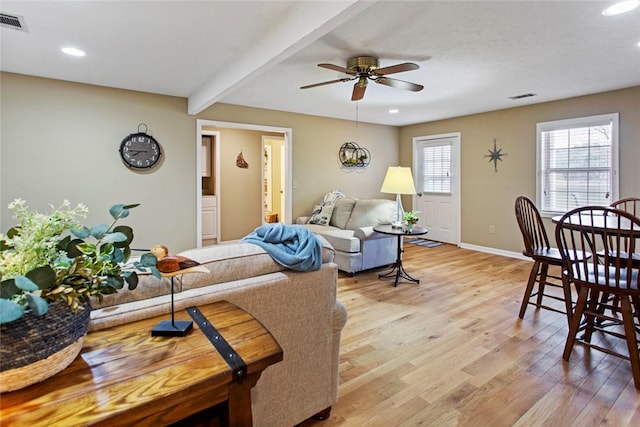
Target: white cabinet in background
{"type": "Point", "coordinates": [206, 156]}
{"type": "Point", "coordinates": [209, 218]}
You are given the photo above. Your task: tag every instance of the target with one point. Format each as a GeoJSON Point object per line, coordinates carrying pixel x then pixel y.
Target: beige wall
{"type": "Point", "coordinates": [488, 197]}
{"type": "Point", "coordinates": [60, 140]}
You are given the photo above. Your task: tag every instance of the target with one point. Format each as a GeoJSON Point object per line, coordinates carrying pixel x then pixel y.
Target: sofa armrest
{"type": "Point", "coordinates": [367, 233]}
{"type": "Point", "coordinates": [302, 219]}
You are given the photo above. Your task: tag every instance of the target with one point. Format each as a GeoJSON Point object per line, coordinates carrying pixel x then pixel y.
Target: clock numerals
{"type": "Point", "coordinates": [140, 151]}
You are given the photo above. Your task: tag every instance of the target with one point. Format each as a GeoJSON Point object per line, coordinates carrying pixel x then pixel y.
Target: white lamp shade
{"type": "Point", "coordinates": [398, 181]}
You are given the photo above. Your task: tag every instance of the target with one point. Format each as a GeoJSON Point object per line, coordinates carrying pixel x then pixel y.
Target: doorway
{"type": "Point", "coordinates": [274, 184]}
{"type": "Point", "coordinates": [224, 216]}
{"type": "Point", "coordinates": [436, 164]}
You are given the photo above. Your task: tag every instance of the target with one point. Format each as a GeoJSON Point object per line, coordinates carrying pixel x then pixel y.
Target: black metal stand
{"type": "Point", "coordinates": [173, 328]}
{"type": "Point", "coordinates": [397, 269]}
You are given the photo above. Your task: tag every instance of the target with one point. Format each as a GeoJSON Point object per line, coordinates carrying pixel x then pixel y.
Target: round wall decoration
{"type": "Point", "coordinates": [140, 150]}
{"type": "Point", "coordinates": [351, 155]}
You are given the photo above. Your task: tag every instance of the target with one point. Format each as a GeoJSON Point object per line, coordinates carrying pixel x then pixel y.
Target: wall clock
{"type": "Point", "coordinates": [140, 150]}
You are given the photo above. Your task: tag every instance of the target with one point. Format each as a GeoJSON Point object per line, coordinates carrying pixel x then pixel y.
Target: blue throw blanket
{"type": "Point", "coordinates": [292, 246]}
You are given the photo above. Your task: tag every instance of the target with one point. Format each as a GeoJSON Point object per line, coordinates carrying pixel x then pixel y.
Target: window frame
{"type": "Point", "coordinates": [577, 122]}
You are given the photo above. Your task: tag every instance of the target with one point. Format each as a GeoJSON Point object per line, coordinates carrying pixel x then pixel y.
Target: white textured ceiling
{"type": "Point", "coordinates": [473, 55]}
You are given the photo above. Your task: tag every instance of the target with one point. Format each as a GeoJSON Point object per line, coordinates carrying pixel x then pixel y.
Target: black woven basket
{"type": "Point", "coordinates": [32, 338]}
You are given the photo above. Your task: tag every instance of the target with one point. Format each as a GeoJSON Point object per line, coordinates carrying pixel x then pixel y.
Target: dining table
{"type": "Point", "coordinates": [599, 222]}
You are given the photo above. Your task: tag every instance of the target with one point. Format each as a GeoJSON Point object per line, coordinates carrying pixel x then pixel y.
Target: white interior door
{"type": "Point", "coordinates": [437, 174]}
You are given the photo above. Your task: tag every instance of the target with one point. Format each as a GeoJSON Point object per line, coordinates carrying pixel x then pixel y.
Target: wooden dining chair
{"type": "Point", "coordinates": [629, 204]}
{"type": "Point", "coordinates": [607, 233]}
{"type": "Point", "coordinates": [537, 247]}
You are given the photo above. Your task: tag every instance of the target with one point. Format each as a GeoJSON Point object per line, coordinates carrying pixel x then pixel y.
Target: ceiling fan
{"type": "Point", "coordinates": [365, 68]}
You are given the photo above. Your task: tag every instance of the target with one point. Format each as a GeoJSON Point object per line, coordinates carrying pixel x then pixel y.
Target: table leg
{"type": "Point", "coordinates": [397, 269]}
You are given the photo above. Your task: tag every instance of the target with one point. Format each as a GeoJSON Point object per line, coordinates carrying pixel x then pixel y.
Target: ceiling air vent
{"type": "Point", "coordinates": [524, 95]}
{"type": "Point", "coordinates": [15, 22]}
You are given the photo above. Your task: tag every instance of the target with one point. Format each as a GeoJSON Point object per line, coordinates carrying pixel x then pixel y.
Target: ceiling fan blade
{"type": "Point", "coordinates": [407, 66]}
{"type": "Point", "coordinates": [358, 89]}
{"type": "Point", "coordinates": [346, 79]}
{"type": "Point", "coordinates": [338, 68]}
{"type": "Point", "coordinates": [399, 84]}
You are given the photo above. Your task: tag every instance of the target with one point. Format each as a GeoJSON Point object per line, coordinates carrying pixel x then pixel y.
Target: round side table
{"type": "Point", "coordinates": [397, 270]}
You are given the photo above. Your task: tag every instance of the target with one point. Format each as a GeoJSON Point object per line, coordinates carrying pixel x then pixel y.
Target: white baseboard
{"type": "Point", "coordinates": [494, 251]}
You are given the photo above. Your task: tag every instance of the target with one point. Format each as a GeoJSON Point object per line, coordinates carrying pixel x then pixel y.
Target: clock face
{"type": "Point", "coordinates": [140, 151]}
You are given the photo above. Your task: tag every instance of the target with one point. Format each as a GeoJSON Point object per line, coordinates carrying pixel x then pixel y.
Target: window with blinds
{"type": "Point", "coordinates": [577, 163]}
{"type": "Point", "coordinates": [435, 162]}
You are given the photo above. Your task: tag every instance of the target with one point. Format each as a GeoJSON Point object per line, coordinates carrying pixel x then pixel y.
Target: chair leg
{"type": "Point", "coordinates": [568, 303]}
{"type": "Point", "coordinates": [542, 281]}
{"type": "Point", "coordinates": [593, 306]}
{"type": "Point", "coordinates": [574, 324]}
{"type": "Point", "coordinates": [529, 289]}
{"type": "Point", "coordinates": [632, 342]}
{"type": "Point", "coordinates": [636, 307]}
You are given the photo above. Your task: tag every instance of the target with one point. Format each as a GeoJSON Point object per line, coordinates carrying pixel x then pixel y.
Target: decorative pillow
{"type": "Point", "coordinates": [321, 215]}
{"type": "Point", "coordinates": [342, 212]}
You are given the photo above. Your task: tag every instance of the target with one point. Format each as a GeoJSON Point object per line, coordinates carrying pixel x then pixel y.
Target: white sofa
{"type": "Point", "coordinates": [298, 308]}
{"type": "Point", "coordinates": [350, 232]}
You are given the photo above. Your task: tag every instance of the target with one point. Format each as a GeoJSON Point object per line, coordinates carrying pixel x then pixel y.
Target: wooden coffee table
{"type": "Point", "coordinates": [125, 377]}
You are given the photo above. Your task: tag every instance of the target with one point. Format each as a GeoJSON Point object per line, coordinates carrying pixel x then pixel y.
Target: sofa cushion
{"type": "Point", "coordinates": [371, 212]}
{"type": "Point", "coordinates": [341, 240]}
{"type": "Point", "coordinates": [226, 262]}
{"type": "Point", "coordinates": [342, 212]}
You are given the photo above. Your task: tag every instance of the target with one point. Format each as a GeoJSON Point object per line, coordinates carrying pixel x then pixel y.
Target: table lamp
{"type": "Point", "coordinates": [398, 181]}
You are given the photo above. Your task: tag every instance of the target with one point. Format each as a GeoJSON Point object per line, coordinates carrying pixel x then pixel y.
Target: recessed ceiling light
{"type": "Point", "coordinates": [73, 51]}
{"type": "Point", "coordinates": [621, 7]}
{"type": "Point", "coordinates": [394, 111]}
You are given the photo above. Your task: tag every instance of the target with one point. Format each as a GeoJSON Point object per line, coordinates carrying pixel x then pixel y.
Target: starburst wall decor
{"type": "Point", "coordinates": [495, 155]}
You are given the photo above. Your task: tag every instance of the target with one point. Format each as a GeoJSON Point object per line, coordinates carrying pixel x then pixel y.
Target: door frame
{"type": "Point", "coordinates": [200, 124]}
{"type": "Point", "coordinates": [456, 137]}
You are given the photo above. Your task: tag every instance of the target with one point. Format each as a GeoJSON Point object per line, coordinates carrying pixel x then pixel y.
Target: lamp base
{"type": "Point", "coordinates": [167, 328]}
{"type": "Point", "coordinates": [396, 224]}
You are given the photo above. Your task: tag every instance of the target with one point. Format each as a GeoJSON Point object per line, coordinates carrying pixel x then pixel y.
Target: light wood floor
{"type": "Point", "coordinates": [452, 351]}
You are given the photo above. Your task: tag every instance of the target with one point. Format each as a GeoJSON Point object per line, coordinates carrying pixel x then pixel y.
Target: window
{"type": "Point", "coordinates": [435, 163]}
{"type": "Point", "coordinates": [577, 163]}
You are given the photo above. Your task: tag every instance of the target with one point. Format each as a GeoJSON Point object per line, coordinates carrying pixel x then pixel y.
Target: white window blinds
{"type": "Point", "coordinates": [435, 161]}
{"type": "Point", "coordinates": [577, 162]}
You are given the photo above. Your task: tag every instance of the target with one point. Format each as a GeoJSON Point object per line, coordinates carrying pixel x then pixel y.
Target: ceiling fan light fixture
{"type": "Point", "coordinates": [365, 68]}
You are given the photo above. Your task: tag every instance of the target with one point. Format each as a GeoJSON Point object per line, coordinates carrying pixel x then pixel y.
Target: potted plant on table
{"type": "Point", "coordinates": [50, 265]}
{"type": "Point", "coordinates": [410, 219]}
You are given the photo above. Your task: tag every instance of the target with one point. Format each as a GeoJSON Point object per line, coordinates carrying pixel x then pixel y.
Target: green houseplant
{"type": "Point", "coordinates": [50, 265]}
{"type": "Point", "coordinates": [411, 219]}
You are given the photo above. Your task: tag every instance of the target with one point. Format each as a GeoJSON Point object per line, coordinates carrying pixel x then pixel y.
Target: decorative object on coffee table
{"type": "Point", "coordinates": [398, 180]}
{"type": "Point", "coordinates": [51, 265]}
{"type": "Point", "coordinates": [172, 266]}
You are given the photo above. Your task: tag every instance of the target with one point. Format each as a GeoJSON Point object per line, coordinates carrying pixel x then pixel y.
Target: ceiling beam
{"type": "Point", "coordinates": [306, 23]}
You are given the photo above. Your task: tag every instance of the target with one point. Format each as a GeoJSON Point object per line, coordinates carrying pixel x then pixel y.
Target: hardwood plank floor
{"type": "Point", "coordinates": [452, 351]}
